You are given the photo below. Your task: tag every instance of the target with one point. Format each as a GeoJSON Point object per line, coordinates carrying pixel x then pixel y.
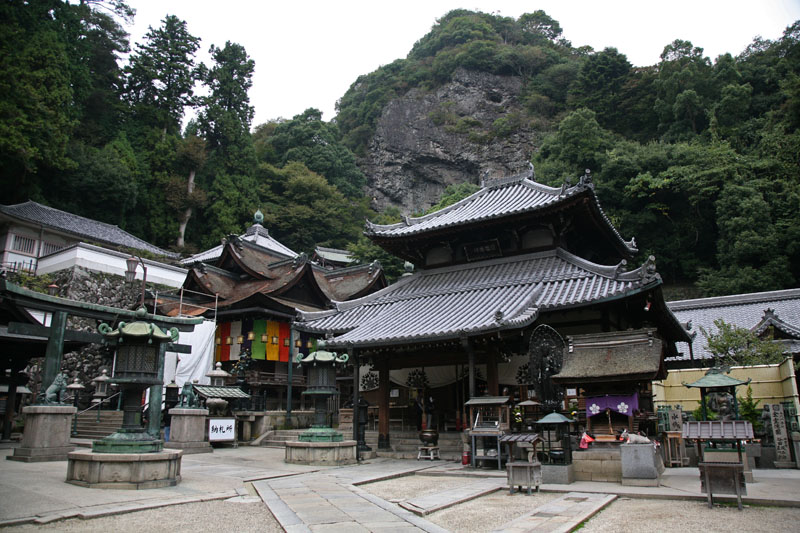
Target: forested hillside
{"type": "Point", "coordinates": [695, 157]}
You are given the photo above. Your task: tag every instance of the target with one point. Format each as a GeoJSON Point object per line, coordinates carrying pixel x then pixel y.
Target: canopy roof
{"type": "Point", "coordinates": [715, 378]}
{"type": "Point", "coordinates": [601, 357]}
{"type": "Point", "coordinates": [488, 296]}
{"type": "Point", "coordinates": [499, 200]}
{"type": "Point", "coordinates": [246, 275]}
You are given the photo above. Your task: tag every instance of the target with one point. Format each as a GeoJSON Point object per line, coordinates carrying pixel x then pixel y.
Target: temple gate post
{"type": "Point", "coordinates": [471, 357]}
{"type": "Point", "coordinates": [55, 349]}
{"type": "Point", "coordinates": [383, 403]}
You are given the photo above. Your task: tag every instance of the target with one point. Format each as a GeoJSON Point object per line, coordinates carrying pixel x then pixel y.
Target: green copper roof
{"type": "Point", "coordinates": [322, 356]}
{"type": "Point", "coordinates": [139, 329]}
{"type": "Point", "coordinates": [716, 378]}
{"type": "Point", "coordinates": [554, 418]}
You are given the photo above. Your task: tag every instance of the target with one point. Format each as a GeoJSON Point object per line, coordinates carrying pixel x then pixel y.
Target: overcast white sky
{"type": "Point", "coordinates": [308, 53]}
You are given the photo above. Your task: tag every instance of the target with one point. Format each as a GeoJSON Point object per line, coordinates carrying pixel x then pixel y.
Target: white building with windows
{"type": "Point", "coordinates": [39, 239]}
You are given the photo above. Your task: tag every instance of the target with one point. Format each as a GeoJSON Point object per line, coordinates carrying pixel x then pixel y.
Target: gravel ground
{"type": "Point", "coordinates": [477, 516]}
{"type": "Point", "coordinates": [202, 517]}
{"type": "Point", "coordinates": [627, 515]}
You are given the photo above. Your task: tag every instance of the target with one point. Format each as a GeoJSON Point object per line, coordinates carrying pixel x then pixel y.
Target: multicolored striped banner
{"type": "Point", "coordinates": [259, 348]}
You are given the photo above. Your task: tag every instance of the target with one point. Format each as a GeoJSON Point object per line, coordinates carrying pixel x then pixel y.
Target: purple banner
{"type": "Point", "coordinates": [623, 404]}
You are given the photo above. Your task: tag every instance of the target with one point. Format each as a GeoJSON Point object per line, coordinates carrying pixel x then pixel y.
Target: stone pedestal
{"type": "Point", "coordinates": [47, 431]}
{"type": "Point", "coordinates": [124, 470]}
{"type": "Point", "coordinates": [187, 430]}
{"type": "Point", "coordinates": [321, 453]}
{"type": "Point", "coordinates": [346, 421]}
{"type": "Point", "coordinates": [558, 474]}
{"type": "Point", "coordinates": [640, 465]}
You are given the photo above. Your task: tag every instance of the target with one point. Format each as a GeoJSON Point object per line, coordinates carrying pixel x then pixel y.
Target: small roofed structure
{"type": "Point", "coordinates": [719, 390]}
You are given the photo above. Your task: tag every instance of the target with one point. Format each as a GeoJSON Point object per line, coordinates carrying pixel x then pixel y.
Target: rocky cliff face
{"type": "Point", "coordinates": [468, 129]}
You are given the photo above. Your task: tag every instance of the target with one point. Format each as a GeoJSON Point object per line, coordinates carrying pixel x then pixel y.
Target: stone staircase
{"type": "Point", "coordinates": [88, 426]}
{"type": "Point", "coordinates": [404, 444]}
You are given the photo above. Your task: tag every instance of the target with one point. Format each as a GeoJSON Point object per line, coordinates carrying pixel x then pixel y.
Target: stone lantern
{"type": "Point", "coordinates": [218, 376]}
{"type": "Point", "coordinates": [321, 372]}
{"type": "Point", "coordinates": [138, 361]}
{"type": "Point", "coordinates": [101, 387]}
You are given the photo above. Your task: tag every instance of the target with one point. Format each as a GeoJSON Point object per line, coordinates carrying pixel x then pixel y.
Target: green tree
{"type": "Point", "coordinates": [579, 143]}
{"type": "Point", "coordinates": [224, 124]}
{"type": "Point", "coordinates": [182, 193]}
{"type": "Point", "coordinates": [683, 88]}
{"type": "Point", "coordinates": [599, 86]}
{"type": "Point", "coordinates": [161, 75]}
{"type": "Point", "coordinates": [35, 116]}
{"type": "Point", "coordinates": [309, 140]}
{"type": "Point", "coordinates": [731, 345]}
{"type": "Point", "coordinates": [364, 251]}
{"type": "Point", "coordinates": [304, 211]}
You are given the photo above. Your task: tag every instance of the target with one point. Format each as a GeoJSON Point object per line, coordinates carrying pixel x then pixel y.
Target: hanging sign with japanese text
{"type": "Point", "coordinates": [221, 429]}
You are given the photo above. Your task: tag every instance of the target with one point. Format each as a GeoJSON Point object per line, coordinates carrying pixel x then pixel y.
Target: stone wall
{"type": "Point", "coordinates": [92, 287]}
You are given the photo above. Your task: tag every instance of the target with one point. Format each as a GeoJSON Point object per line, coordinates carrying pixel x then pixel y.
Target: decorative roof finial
{"type": "Point", "coordinates": [258, 218]}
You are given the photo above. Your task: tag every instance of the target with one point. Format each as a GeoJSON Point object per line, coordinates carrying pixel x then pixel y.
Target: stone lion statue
{"type": "Point", "coordinates": [188, 397]}
{"type": "Point", "coordinates": [52, 395]}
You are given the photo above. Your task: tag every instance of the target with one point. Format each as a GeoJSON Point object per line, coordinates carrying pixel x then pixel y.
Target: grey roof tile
{"type": "Point", "coordinates": [742, 310]}
{"type": "Point", "coordinates": [491, 295]}
{"type": "Point", "coordinates": [500, 198]}
{"type": "Point", "coordinates": [80, 226]}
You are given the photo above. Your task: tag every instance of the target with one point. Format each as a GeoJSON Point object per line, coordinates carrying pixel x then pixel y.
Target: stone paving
{"type": "Point", "coordinates": [560, 515]}
{"type": "Point", "coordinates": [321, 499]}
{"type": "Point", "coordinates": [430, 503]}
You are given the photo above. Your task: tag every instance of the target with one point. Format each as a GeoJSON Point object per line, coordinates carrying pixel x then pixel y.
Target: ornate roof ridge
{"type": "Point", "coordinates": [735, 299]}
{"type": "Point", "coordinates": [373, 267]}
{"type": "Point", "coordinates": [771, 318]}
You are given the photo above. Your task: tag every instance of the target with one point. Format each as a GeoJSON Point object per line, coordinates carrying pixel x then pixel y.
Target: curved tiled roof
{"type": "Point", "coordinates": [80, 226]}
{"type": "Point", "coordinates": [742, 310]}
{"type": "Point", "coordinates": [255, 234]}
{"type": "Point", "coordinates": [500, 198]}
{"type": "Point", "coordinates": [505, 293]}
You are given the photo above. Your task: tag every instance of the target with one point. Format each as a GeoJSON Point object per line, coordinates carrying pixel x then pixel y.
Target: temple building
{"type": "Point", "coordinates": [253, 286]}
{"type": "Point", "coordinates": [520, 289]}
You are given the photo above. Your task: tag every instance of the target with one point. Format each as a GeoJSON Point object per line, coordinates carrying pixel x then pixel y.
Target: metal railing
{"type": "Point", "coordinates": [98, 406]}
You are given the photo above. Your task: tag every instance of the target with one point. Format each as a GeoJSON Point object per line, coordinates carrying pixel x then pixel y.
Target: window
{"type": "Point", "coordinates": [25, 245]}
{"type": "Point", "coordinates": [49, 248]}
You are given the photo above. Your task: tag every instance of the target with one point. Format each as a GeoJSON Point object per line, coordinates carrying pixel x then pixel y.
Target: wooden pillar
{"type": "Point", "coordinates": [471, 356]}
{"type": "Point", "coordinates": [55, 350]}
{"type": "Point", "coordinates": [156, 394]}
{"type": "Point", "coordinates": [356, 366]}
{"type": "Point", "coordinates": [290, 374]}
{"type": "Point", "coordinates": [383, 403]}
{"type": "Point", "coordinates": [492, 379]}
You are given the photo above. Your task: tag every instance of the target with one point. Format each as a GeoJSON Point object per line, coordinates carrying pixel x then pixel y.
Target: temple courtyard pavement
{"type": "Point", "coordinates": [251, 489]}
